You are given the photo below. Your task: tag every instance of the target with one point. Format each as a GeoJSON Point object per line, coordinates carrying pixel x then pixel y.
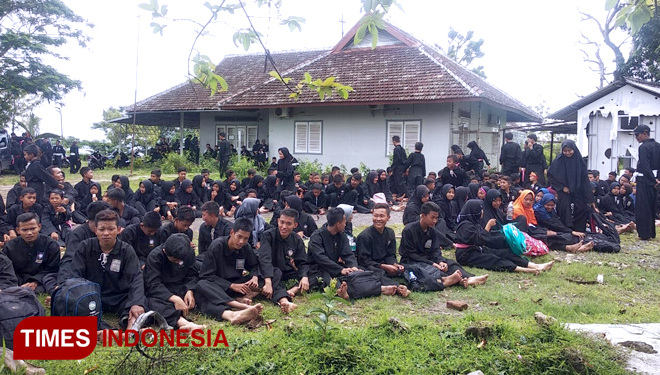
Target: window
{"type": "Point", "coordinates": [308, 137]}
{"type": "Point", "coordinates": [238, 135]}
{"type": "Point", "coordinates": [409, 131]}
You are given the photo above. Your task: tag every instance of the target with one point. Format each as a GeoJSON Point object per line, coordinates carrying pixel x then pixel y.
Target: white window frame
{"type": "Point", "coordinates": [408, 143]}
{"type": "Point", "coordinates": [304, 145]}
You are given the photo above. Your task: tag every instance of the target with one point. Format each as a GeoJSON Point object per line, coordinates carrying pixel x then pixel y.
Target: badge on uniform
{"type": "Point", "coordinates": [40, 258]}
{"type": "Point", "coordinates": [240, 264]}
{"type": "Point", "coordinates": [115, 266]}
{"type": "Point", "coordinates": [428, 244]}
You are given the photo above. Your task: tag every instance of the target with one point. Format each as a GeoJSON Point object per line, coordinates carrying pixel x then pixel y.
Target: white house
{"type": "Point", "coordinates": [402, 87]}
{"type": "Point", "coordinates": [605, 119]}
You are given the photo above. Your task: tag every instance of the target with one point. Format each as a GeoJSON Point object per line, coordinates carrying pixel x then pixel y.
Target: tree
{"type": "Point", "coordinates": [644, 60]}
{"type": "Point", "coordinates": [462, 49]}
{"type": "Point", "coordinates": [204, 70]}
{"type": "Point", "coordinates": [31, 30]}
{"type": "Point", "coordinates": [31, 124]}
{"type": "Point", "coordinates": [119, 136]}
{"type": "Point", "coordinates": [606, 30]}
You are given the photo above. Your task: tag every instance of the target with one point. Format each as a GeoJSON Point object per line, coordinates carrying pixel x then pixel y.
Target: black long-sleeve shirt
{"type": "Point", "coordinates": [420, 246]}
{"type": "Point", "coordinates": [416, 164]}
{"type": "Point", "coordinates": [168, 229]}
{"type": "Point", "coordinates": [222, 266]}
{"type": "Point", "coordinates": [375, 248]}
{"type": "Point", "coordinates": [73, 245]}
{"type": "Point", "coordinates": [141, 243]}
{"type": "Point", "coordinates": [285, 254]}
{"type": "Point", "coordinates": [33, 262]}
{"type": "Point", "coordinates": [162, 278]}
{"type": "Point", "coordinates": [325, 250]}
{"type": "Point", "coordinates": [457, 178]}
{"type": "Point", "coordinates": [36, 175]}
{"type": "Point", "coordinates": [53, 221]}
{"type": "Point", "coordinates": [207, 234]}
{"type": "Point", "coordinates": [399, 158]}
{"type": "Point", "coordinates": [17, 209]}
{"type": "Point", "coordinates": [7, 275]}
{"type": "Point", "coordinates": [649, 160]}
{"type": "Point", "coordinates": [120, 277]}
{"type": "Point", "coordinates": [510, 155]}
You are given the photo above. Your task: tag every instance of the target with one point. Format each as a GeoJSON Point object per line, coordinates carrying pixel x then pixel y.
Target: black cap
{"type": "Point", "coordinates": [642, 129]}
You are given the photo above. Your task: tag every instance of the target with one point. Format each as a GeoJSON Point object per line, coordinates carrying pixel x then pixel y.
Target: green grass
{"type": "Point", "coordinates": [435, 341]}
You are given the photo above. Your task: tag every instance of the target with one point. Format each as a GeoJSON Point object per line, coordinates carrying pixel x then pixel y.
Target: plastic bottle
{"type": "Point", "coordinates": [509, 211]}
{"type": "Point", "coordinates": [413, 282]}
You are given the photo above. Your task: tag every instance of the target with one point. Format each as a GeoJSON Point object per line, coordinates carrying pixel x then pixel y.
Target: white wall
{"type": "Point", "coordinates": [604, 133]}
{"type": "Point", "coordinates": [352, 135]}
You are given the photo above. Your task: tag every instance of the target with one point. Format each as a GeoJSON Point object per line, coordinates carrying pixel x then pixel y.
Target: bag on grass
{"type": "Point", "coordinates": [77, 297]}
{"type": "Point", "coordinates": [362, 284]}
{"type": "Point", "coordinates": [534, 247]}
{"type": "Point", "coordinates": [16, 304]}
{"type": "Point", "coordinates": [515, 238]}
{"type": "Point", "coordinates": [423, 278]}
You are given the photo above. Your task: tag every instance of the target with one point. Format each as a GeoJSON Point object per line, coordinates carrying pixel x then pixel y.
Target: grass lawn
{"type": "Point", "coordinates": [426, 337]}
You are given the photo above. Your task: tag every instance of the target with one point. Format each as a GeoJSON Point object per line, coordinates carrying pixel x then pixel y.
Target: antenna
{"type": "Point", "coordinates": [342, 24]}
{"type": "Point", "coordinates": [137, 60]}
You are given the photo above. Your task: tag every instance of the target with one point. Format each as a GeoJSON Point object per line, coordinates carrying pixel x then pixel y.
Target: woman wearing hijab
{"type": "Point", "coordinates": [232, 197]}
{"type": "Point", "coordinates": [414, 206]}
{"type": "Point", "coordinates": [169, 203]}
{"type": "Point", "coordinates": [94, 194]}
{"type": "Point", "coordinates": [144, 200]}
{"type": "Point", "coordinates": [285, 170]}
{"type": "Point", "coordinates": [199, 187]}
{"type": "Point", "coordinates": [250, 209]}
{"type": "Point", "coordinates": [306, 224]}
{"type": "Point", "coordinates": [473, 190]}
{"type": "Point", "coordinates": [566, 238]}
{"type": "Point", "coordinates": [492, 210]}
{"type": "Point", "coordinates": [445, 199]}
{"type": "Point", "coordinates": [123, 183]}
{"type": "Point", "coordinates": [269, 192]}
{"type": "Point", "coordinates": [568, 177]}
{"type": "Point", "coordinates": [479, 154]}
{"type": "Point", "coordinates": [612, 206]}
{"type": "Point", "coordinates": [461, 194]}
{"type": "Point", "coordinates": [477, 247]}
{"type": "Point", "coordinates": [383, 186]}
{"type": "Point", "coordinates": [187, 197]}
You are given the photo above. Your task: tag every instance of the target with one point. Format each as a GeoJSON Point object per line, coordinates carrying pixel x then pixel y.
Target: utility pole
{"type": "Point", "coordinates": [59, 109]}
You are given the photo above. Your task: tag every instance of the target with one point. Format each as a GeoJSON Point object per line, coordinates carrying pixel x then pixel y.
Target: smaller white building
{"type": "Point", "coordinates": [606, 118]}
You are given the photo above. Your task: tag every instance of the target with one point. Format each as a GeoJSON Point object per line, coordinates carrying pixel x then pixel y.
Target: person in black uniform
{"type": "Point", "coordinates": [282, 257]}
{"type": "Point", "coordinates": [230, 267]}
{"type": "Point", "coordinates": [47, 150]}
{"type": "Point", "coordinates": [35, 173]}
{"type": "Point", "coordinates": [181, 224]}
{"type": "Point", "coordinates": [58, 154]}
{"type": "Point", "coordinates": [648, 179]}
{"type": "Point", "coordinates": [113, 265]}
{"type": "Point", "coordinates": [76, 237]}
{"type": "Point", "coordinates": [416, 168]}
{"type": "Point", "coordinates": [214, 227]}
{"type": "Point", "coordinates": [510, 155]}
{"type": "Point", "coordinates": [74, 157]}
{"type": "Point", "coordinates": [535, 160]}
{"type": "Point", "coordinates": [477, 153]}
{"type": "Point", "coordinates": [127, 214]}
{"type": "Point", "coordinates": [170, 278]}
{"type": "Point", "coordinates": [399, 161]}
{"type": "Point", "coordinates": [7, 276]}
{"type": "Point", "coordinates": [36, 257]}
{"type": "Point", "coordinates": [143, 236]}
{"type": "Point", "coordinates": [224, 153]}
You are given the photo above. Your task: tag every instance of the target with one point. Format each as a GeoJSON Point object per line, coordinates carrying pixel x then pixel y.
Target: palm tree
{"type": "Point", "coordinates": [31, 125]}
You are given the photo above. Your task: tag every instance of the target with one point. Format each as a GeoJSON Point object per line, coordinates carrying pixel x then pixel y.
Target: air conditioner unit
{"type": "Point", "coordinates": [283, 112]}
{"type": "Point", "coordinates": [378, 107]}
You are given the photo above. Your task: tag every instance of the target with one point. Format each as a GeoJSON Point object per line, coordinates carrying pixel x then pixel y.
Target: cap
{"type": "Point", "coordinates": [642, 129]}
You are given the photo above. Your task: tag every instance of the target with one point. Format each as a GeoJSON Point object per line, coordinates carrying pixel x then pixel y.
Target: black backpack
{"type": "Point", "coordinates": [77, 297]}
{"type": "Point", "coordinates": [362, 284]}
{"type": "Point", "coordinates": [423, 278]}
{"type": "Point", "coordinates": [16, 304]}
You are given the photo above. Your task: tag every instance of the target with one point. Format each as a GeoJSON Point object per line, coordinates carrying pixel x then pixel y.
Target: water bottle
{"type": "Point", "coordinates": [413, 281]}
{"type": "Point", "coordinates": [509, 211]}
{"type": "Point", "coordinates": [351, 242]}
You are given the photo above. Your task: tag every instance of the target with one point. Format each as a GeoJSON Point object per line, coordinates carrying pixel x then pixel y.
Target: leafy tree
{"type": "Point", "coordinates": [204, 70]}
{"type": "Point", "coordinates": [31, 124]}
{"type": "Point", "coordinates": [644, 60]}
{"type": "Point", "coordinates": [464, 50]}
{"type": "Point", "coordinates": [119, 135]}
{"type": "Point", "coordinates": [31, 30]}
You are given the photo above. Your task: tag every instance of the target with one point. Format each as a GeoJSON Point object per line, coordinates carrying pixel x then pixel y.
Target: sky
{"type": "Point", "coordinates": [531, 47]}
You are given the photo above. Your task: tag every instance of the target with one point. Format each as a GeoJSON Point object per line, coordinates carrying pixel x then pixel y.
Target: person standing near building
{"type": "Point", "coordinates": [510, 155]}
{"type": "Point", "coordinates": [399, 164]}
{"type": "Point", "coordinates": [535, 160]}
{"type": "Point", "coordinates": [58, 154]}
{"type": "Point", "coordinates": [224, 153]}
{"type": "Point", "coordinates": [74, 158]}
{"type": "Point", "coordinates": [648, 180]}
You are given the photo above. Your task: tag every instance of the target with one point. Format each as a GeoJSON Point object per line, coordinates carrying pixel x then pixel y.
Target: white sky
{"type": "Point", "coordinates": [531, 47]}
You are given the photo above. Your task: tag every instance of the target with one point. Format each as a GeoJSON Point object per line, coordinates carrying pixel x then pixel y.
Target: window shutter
{"type": "Point", "coordinates": [301, 137]}
{"type": "Point", "coordinates": [393, 128]}
{"type": "Point", "coordinates": [411, 135]}
{"type": "Point", "coordinates": [315, 139]}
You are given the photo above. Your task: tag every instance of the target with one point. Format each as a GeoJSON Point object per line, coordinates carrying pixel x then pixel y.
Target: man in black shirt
{"type": "Point", "coordinates": [58, 154]}
{"type": "Point", "coordinates": [114, 266]}
{"type": "Point", "coordinates": [7, 276]}
{"type": "Point", "coordinates": [143, 236]}
{"type": "Point", "coordinates": [376, 249]}
{"type": "Point", "coordinates": [648, 179]}
{"type": "Point", "coordinates": [214, 227]}
{"type": "Point", "coordinates": [224, 153]}
{"type": "Point", "coordinates": [282, 257]}
{"type": "Point", "coordinates": [535, 160]}
{"type": "Point", "coordinates": [82, 187]}
{"type": "Point", "coordinates": [36, 174]}
{"type": "Point", "coordinates": [36, 257]}
{"type": "Point", "coordinates": [452, 174]}
{"type": "Point", "coordinates": [510, 155]}
{"type": "Point", "coordinates": [181, 224]}
{"type": "Point", "coordinates": [230, 267]}
{"type": "Point", "coordinates": [74, 157]}
{"type": "Point", "coordinates": [399, 165]}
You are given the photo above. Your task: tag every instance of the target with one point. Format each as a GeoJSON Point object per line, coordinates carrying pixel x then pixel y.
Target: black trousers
{"type": "Point", "coordinates": [490, 259]}
{"type": "Point", "coordinates": [75, 164]}
{"type": "Point", "coordinates": [645, 210]}
{"type": "Point", "coordinates": [399, 187]}
{"type": "Point", "coordinates": [224, 161]}
{"type": "Point", "coordinates": [507, 170]}
{"type": "Point", "coordinates": [576, 218]}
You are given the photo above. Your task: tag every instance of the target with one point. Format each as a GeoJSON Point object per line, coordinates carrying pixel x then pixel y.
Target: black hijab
{"type": "Point", "coordinates": [571, 172]}
{"type": "Point", "coordinates": [461, 196]}
{"type": "Point", "coordinates": [473, 190]}
{"type": "Point", "coordinates": [491, 212]}
{"type": "Point", "coordinates": [197, 186]}
{"type": "Point", "coordinates": [185, 197]}
{"type": "Point", "coordinates": [165, 192]}
{"type": "Point", "coordinates": [294, 202]}
{"type": "Point", "coordinates": [287, 155]}
{"type": "Point", "coordinates": [148, 195]}
{"type": "Point", "coordinates": [414, 206]}
{"type": "Point", "coordinates": [374, 188]}
{"type": "Point", "coordinates": [126, 187]}
{"type": "Point", "coordinates": [255, 182]}
{"type": "Point", "coordinates": [270, 186]}
{"type": "Point", "coordinates": [471, 211]}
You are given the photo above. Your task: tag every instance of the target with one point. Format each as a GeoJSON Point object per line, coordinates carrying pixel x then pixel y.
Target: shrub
{"type": "Point", "coordinates": [306, 167]}
{"type": "Point", "coordinates": [174, 160]}
{"type": "Point", "coordinates": [241, 166]}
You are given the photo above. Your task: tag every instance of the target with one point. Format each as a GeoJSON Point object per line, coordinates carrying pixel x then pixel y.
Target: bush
{"type": "Point", "coordinates": [211, 164]}
{"type": "Point", "coordinates": [241, 166]}
{"type": "Point", "coordinates": [174, 160]}
{"type": "Point", "coordinates": [306, 167]}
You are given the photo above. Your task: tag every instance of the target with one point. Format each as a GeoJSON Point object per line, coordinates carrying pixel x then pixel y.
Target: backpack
{"type": "Point", "coordinates": [77, 297]}
{"type": "Point", "coordinates": [362, 284]}
{"type": "Point", "coordinates": [423, 278]}
{"type": "Point", "coordinates": [16, 304]}
{"type": "Point", "coordinates": [515, 238]}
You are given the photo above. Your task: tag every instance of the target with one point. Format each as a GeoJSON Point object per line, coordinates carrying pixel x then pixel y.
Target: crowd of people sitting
{"type": "Point", "coordinates": [138, 245]}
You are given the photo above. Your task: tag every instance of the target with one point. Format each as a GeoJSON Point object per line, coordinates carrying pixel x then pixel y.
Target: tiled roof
{"type": "Point", "coordinates": [241, 73]}
{"type": "Point", "coordinates": [411, 72]}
